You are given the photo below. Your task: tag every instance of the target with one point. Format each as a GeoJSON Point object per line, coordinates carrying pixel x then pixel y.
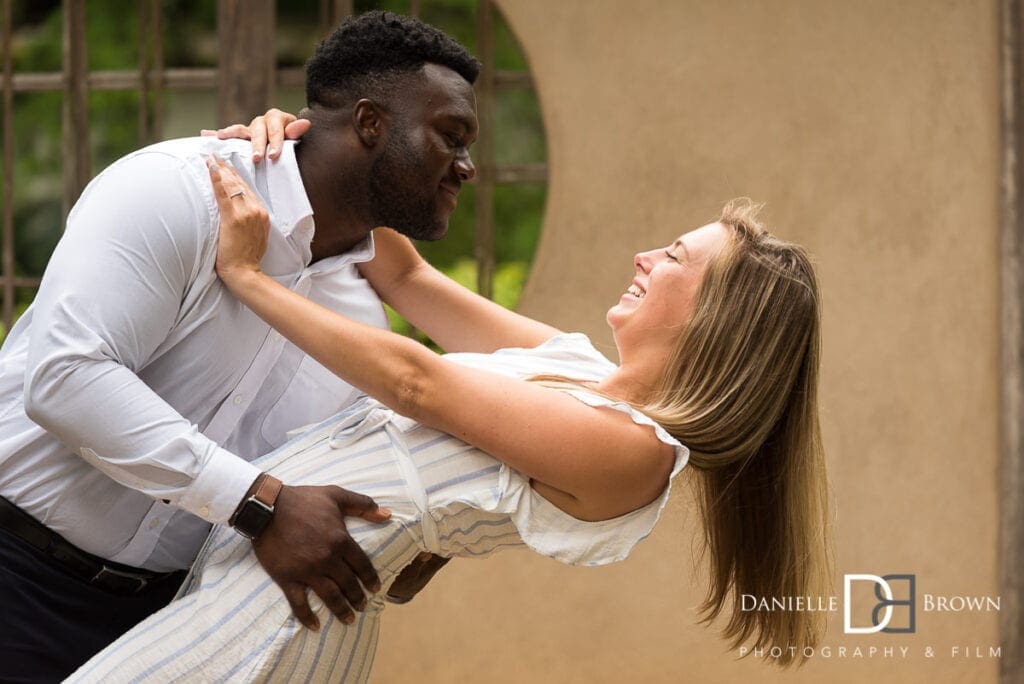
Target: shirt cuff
{"type": "Point", "coordinates": [220, 487]}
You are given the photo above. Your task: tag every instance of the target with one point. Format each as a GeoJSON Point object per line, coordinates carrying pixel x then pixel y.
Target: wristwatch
{"type": "Point", "coordinates": [256, 512]}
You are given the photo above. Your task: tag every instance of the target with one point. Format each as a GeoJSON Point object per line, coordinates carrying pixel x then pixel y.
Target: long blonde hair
{"type": "Point", "coordinates": [741, 391]}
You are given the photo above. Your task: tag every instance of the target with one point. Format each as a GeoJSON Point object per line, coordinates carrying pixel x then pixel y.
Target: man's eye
{"type": "Point", "coordinates": [670, 256]}
{"type": "Point", "coordinates": [454, 140]}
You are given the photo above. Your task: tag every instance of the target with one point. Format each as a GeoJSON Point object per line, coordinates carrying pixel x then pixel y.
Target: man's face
{"type": "Point", "coordinates": [415, 181]}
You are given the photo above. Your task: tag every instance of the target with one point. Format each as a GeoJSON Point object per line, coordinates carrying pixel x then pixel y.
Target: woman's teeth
{"type": "Point", "coordinates": [635, 291]}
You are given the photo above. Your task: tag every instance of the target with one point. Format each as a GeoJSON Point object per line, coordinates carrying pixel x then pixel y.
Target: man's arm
{"type": "Point", "coordinates": [136, 244]}
{"type": "Point", "coordinates": [110, 297]}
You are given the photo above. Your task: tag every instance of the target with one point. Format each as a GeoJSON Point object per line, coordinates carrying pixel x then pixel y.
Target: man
{"type": "Point", "coordinates": [135, 387]}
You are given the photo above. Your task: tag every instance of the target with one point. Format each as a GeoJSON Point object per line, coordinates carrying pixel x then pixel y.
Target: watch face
{"type": "Point", "coordinates": [253, 518]}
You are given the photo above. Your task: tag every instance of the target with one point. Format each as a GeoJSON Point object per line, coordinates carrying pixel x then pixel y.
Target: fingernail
{"type": "Point", "coordinates": [315, 626]}
{"type": "Point", "coordinates": [349, 619]}
{"type": "Point", "coordinates": [207, 131]}
{"type": "Point", "coordinates": [385, 511]}
{"type": "Point", "coordinates": [211, 162]}
{"type": "Point", "coordinates": [362, 605]}
{"type": "Point", "coordinates": [272, 151]}
{"type": "Point", "coordinates": [257, 157]}
{"type": "Point", "coordinates": [376, 587]}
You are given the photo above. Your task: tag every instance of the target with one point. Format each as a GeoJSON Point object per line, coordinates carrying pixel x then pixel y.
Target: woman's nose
{"type": "Point", "coordinates": [642, 261]}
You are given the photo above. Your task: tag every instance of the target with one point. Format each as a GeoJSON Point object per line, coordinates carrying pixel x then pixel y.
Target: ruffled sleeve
{"type": "Point", "coordinates": [554, 533]}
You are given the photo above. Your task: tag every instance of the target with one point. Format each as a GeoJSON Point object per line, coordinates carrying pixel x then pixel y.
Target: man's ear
{"type": "Point", "coordinates": [370, 121]}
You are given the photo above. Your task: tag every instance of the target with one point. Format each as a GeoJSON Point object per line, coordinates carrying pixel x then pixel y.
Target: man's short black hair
{"type": "Point", "coordinates": [362, 56]}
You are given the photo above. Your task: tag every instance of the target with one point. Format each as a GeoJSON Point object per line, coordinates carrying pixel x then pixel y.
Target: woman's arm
{"type": "Point", "coordinates": [592, 463]}
{"type": "Point", "coordinates": [450, 314]}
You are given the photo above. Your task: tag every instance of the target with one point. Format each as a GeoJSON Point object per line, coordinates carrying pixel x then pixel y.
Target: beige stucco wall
{"type": "Point", "coordinates": [870, 128]}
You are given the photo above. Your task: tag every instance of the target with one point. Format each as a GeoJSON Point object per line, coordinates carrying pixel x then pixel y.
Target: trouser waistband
{"type": "Point", "coordinates": [99, 572]}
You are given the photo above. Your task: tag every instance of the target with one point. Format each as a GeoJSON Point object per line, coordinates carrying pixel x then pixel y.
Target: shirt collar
{"type": "Point", "coordinates": [361, 252]}
{"type": "Point", "coordinates": [287, 195]}
{"type": "Point", "coordinates": [294, 213]}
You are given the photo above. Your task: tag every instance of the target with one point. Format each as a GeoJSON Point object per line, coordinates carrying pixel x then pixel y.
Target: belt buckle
{"type": "Point", "coordinates": [123, 578]}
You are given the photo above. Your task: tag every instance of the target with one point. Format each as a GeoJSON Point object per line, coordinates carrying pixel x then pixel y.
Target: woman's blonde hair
{"type": "Point", "coordinates": [741, 391]}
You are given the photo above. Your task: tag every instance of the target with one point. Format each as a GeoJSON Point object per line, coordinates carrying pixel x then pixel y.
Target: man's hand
{"type": "Point", "coordinates": [270, 129]}
{"type": "Point", "coordinates": [414, 577]}
{"type": "Point", "coordinates": [307, 545]}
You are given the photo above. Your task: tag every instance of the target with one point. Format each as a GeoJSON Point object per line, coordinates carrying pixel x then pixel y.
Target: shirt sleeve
{"type": "Point", "coordinates": [112, 292]}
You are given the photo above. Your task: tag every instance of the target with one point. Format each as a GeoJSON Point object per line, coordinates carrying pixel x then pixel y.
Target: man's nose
{"type": "Point", "coordinates": [464, 168]}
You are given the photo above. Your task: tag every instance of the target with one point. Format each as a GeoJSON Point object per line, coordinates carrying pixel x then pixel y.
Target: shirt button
{"type": "Point", "coordinates": [237, 399]}
{"type": "Point", "coordinates": [204, 511]}
{"type": "Point", "coordinates": [154, 523]}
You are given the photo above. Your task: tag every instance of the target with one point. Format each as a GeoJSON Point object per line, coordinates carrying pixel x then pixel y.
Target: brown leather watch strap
{"type": "Point", "coordinates": [268, 490]}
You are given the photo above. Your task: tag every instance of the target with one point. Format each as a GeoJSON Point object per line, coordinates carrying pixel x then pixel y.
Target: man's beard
{"type": "Point", "coordinates": [398, 198]}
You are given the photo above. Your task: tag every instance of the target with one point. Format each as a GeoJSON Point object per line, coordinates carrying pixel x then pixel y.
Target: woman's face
{"type": "Point", "coordinates": [661, 298]}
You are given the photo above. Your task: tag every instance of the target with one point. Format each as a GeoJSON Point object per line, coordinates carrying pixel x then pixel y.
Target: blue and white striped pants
{"type": "Point", "coordinates": [234, 623]}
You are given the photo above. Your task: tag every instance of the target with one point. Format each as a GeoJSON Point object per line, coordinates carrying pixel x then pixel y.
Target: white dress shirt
{"type": "Point", "coordinates": [145, 375]}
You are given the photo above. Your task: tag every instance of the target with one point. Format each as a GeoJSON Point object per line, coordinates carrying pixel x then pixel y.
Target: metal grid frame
{"type": "Point", "coordinates": [245, 80]}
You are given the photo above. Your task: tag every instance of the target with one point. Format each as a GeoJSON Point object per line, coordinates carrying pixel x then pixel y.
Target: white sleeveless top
{"type": "Point", "coordinates": [541, 525]}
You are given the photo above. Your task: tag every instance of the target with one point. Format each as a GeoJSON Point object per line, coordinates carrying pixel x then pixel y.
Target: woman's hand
{"type": "Point", "coordinates": [244, 224]}
{"type": "Point", "coordinates": [270, 129]}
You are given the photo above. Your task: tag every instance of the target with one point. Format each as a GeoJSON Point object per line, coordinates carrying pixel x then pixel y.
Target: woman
{"type": "Point", "coordinates": [543, 443]}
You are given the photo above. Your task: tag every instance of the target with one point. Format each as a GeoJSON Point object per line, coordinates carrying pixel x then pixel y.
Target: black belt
{"type": "Point", "coordinates": [103, 574]}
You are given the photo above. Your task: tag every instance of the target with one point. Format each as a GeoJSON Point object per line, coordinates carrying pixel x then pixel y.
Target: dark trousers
{"type": "Point", "coordinates": [51, 621]}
